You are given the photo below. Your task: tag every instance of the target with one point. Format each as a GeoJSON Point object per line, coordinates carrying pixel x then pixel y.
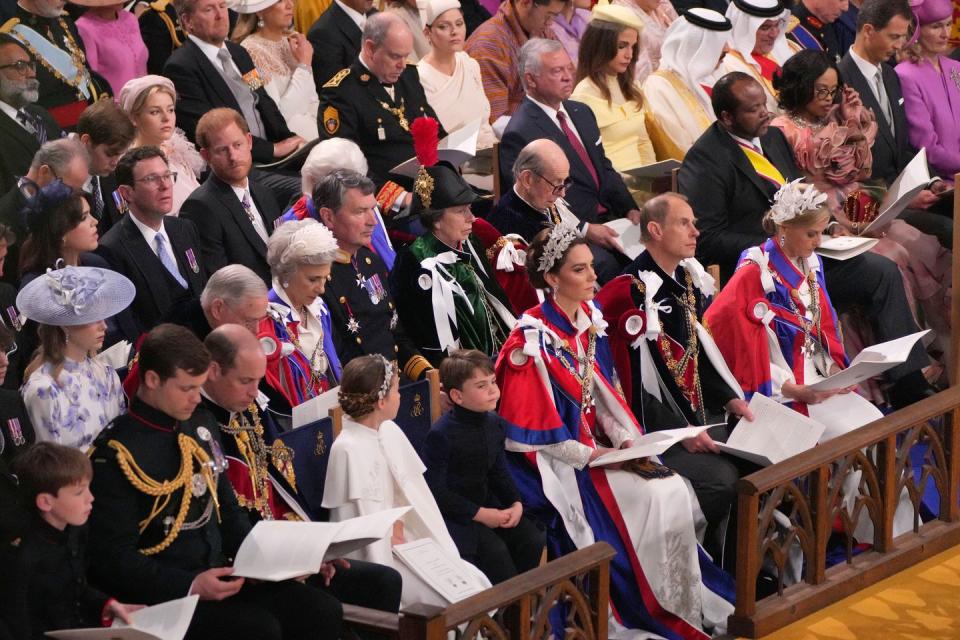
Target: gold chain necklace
{"type": "Point", "coordinates": [810, 345]}
{"type": "Point", "coordinates": [249, 439]}
{"type": "Point", "coordinates": [316, 359]}
{"type": "Point", "coordinates": [398, 113]}
{"type": "Point", "coordinates": [691, 350]}
{"type": "Point", "coordinates": [582, 362]}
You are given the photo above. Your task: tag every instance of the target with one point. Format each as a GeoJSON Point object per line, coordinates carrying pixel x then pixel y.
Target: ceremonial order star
{"type": "Point", "coordinates": [353, 326]}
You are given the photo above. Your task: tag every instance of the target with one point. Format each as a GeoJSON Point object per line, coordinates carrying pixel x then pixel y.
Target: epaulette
{"type": "Point", "coordinates": [9, 25]}
{"type": "Point", "coordinates": [342, 257]}
{"type": "Point", "coordinates": [792, 22]}
{"type": "Point", "coordinates": [337, 79]}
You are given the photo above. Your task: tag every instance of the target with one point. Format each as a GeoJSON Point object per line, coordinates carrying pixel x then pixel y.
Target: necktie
{"type": "Point", "coordinates": [883, 99]}
{"type": "Point", "coordinates": [97, 197]}
{"type": "Point", "coordinates": [254, 219]}
{"type": "Point", "coordinates": [245, 96]}
{"type": "Point", "coordinates": [578, 147]}
{"type": "Point", "coordinates": [169, 264]}
{"type": "Point", "coordinates": [33, 124]}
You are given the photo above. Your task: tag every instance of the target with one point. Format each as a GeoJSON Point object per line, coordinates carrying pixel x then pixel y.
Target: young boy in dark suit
{"type": "Point", "coordinates": [468, 475]}
{"type": "Point", "coordinates": [44, 587]}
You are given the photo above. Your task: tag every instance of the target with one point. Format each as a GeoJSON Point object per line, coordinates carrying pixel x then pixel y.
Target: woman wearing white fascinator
{"type": "Point", "coordinates": [71, 396]}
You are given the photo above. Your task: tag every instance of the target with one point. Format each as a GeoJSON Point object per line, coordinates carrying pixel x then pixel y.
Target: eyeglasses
{"type": "Point", "coordinates": [558, 189]}
{"type": "Point", "coordinates": [154, 179]}
{"type": "Point", "coordinates": [21, 66]}
{"type": "Point", "coordinates": [822, 93]}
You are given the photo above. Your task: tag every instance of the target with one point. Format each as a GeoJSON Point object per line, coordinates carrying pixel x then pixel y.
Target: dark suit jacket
{"type": "Point", "coordinates": [157, 292]}
{"type": "Point", "coordinates": [512, 215]}
{"type": "Point", "coordinates": [891, 153]}
{"type": "Point", "coordinates": [110, 214]}
{"type": "Point", "coordinates": [200, 88]}
{"type": "Point", "coordinates": [226, 234]}
{"type": "Point", "coordinates": [19, 146]}
{"type": "Point", "coordinates": [530, 123]}
{"type": "Point", "coordinates": [728, 196]}
{"type": "Point", "coordinates": [336, 43]}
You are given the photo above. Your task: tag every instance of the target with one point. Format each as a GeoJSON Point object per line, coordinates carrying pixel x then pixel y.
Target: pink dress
{"type": "Point", "coordinates": [115, 49]}
{"type": "Point", "coordinates": [836, 157]}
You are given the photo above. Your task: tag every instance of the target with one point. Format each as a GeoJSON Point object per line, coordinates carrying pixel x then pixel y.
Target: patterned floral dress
{"type": "Point", "coordinates": [74, 407]}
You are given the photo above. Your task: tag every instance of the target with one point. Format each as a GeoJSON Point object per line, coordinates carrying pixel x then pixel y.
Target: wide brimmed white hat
{"type": "Point", "coordinates": [73, 296]}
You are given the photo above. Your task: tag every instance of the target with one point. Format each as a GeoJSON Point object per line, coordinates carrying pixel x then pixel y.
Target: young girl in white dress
{"type": "Point", "coordinates": [373, 467]}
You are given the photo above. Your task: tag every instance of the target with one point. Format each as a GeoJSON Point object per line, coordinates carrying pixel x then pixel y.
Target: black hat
{"type": "Point", "coordinates": [438, 185]}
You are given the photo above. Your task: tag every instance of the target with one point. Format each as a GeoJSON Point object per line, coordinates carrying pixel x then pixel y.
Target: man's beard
{"type": "Point", "coordinates": [19, 96]}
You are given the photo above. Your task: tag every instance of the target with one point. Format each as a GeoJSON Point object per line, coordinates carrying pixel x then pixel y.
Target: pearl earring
{"type": "Point", "coordinates": [783, 239]}
{"type": "Point", "coordinates": [259, 23]}
{"type": "Point", "coordinates": [285, 284]}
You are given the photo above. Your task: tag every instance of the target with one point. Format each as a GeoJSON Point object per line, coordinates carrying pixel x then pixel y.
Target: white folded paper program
{"type": "Point", "coordinates": [845, 247]}
{"type": "Point", "coordinates": [629, 240]}
{"type": "Point", "coordinates": [279, 549]}
{"type": "Point", "coordinates": [912, 180]}
{"type": "Point", "coordinates": [650, 444]}
{"type": "Point", "coordinates": [164, 621]}
{"type": "Point", "coordinates": [117, 356]}
{"type": "Point", "coordinates": [870, 362]}
{"type": "Point", "coordinates": [776, 433]}
{"type": "Point", "coordinates": [433, 565]}
{"type": "Point", "coordinates": [316, 408]}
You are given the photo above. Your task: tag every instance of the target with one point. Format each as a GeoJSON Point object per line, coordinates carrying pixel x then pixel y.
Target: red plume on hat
{"type": "Point", "coordinates": [425, 132]}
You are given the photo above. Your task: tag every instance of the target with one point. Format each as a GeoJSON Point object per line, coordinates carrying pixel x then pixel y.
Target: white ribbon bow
{"type": "Point", "coordinates": [597, 318]}
{"type": "Point", "coordinates": [442, 291]}
{"type": "Point", "coordinates": [699, 276]}
{"type": "Point", "coordinates": [756, 254]}
{"type": "Point", "coordinates": [651, 285]}
{"type": "Point", "coordinates": [509, 256]}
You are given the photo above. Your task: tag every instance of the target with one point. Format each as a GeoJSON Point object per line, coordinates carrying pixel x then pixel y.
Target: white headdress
{"type": "Point", "coordinates": [387, 378]}
{"type": "Point", "coordinates": [560, 238]}
{"type": "Point", "coordinates": [794, 199]}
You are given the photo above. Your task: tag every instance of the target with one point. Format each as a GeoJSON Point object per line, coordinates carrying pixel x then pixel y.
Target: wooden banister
{"type": "Point", "coordinates": [808, 489]}
{"type": "Point", "coordinates": [518, 608]}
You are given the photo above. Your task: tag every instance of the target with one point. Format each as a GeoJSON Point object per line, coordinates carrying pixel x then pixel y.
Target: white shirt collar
{"type": "Point", "coordinates": [208, 50]}
{"type": "Point", "coordinates": [10, 111]}
{"type": "Point", "coordinates": [867, 68]}
{"type": "Point", "coordinates": [527, 202]}
{"type": "Point", "coordinates": [149, 234]}
{"type": "Point", "coordinates": [550, 111]}
{"type": "Point", "coordinates": [241, 190]}
{"type": "Point", "coordinates": [358, 18]}
{"type": "Point", "coordinates": [755, 141]}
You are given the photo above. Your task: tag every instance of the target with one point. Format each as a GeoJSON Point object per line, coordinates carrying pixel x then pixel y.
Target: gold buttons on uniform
{"type": "Point", "coordinates": [359, 341]}
{"type": "Point", "coordinates": [343, 299]}
{"type": "Point", "coordinates": [368, 260]}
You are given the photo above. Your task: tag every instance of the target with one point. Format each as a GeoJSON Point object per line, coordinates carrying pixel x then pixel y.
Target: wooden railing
{"type": "Point", "coordinates": [518, 609]}
{"type": "Point", "coordinates": [808, 490]}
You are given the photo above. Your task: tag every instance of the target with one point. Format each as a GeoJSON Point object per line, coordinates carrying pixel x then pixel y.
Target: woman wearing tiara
{"type": "Point", "coordinates": [560, 392]}
{"type": "Point", "coordinates": [373, 467]}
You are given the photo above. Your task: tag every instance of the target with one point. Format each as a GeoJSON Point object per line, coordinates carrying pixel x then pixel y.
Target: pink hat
{"type": "Point", "coordinates": [930, 11]}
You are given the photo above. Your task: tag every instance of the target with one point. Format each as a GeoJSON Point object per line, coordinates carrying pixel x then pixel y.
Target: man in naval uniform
{"type": "Point", "coordinates": [362, 309]}
{"type": "Point", "coordinates": [374, 102]}
{"type": "Point", "coordinates": [67, 84]}
{"type": "Point", "coordinates": [167, 524]}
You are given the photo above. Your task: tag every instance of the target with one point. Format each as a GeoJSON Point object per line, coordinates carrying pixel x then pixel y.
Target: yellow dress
{"type": "Point", "coordinates": [622, 126]}
{"type": "Point", "coordinates": [306, 12]}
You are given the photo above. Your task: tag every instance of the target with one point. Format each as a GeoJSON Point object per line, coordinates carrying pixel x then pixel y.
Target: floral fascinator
{"type": "Point", "coordinates": [794, 199]}
{"type": "Point", "coordinates": [74, 296]}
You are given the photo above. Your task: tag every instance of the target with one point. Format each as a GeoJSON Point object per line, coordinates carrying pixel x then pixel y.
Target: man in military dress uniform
{"type": "Point", "coordinates": [364, 315]}
{"type": "Point", "coordinates": [161, 32]}
{"type": "Point", "coordinates": [818, 28]}
{"type": "Point", "coordinates": [373, 103]}
{"type": "Point", "coordinates": [67, 84]}
{"type": "Point", "coordinates": [260, 463]}
{"type": "Point", "coordinates": [166, 523]}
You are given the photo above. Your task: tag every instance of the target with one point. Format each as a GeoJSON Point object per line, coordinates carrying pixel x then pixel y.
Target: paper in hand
{"type": "Point", "coordinates": [776, 433]}
{"type": "Point", "coordinates": [650, 444]}
{"type": "Point", "coordinates": [871, 362]}
{"type": "Point", "coordinates": [164, 621]}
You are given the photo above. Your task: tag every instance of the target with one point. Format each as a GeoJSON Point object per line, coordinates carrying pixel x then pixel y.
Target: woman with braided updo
{"type": "Point", "coordinates": [373, 467]}
{"type": "Point", "coordinates": [565, 409]}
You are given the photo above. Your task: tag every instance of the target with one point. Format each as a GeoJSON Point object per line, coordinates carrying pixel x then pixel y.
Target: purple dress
{"type": "Point", "coordinates": [115, 49]}
{"type": "Point", "coordinates": [931, 99]}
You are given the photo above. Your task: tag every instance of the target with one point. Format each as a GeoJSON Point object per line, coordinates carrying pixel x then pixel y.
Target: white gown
{"type": "Point", "coordinates": [373, 470]}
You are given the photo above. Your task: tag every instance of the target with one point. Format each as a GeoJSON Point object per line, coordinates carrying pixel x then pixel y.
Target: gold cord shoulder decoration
{"type": "Point", "coordinates": [162, 491]}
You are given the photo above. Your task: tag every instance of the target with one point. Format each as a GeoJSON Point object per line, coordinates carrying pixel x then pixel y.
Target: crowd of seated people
{"type": "Point", "coordinates": [212, 214]}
